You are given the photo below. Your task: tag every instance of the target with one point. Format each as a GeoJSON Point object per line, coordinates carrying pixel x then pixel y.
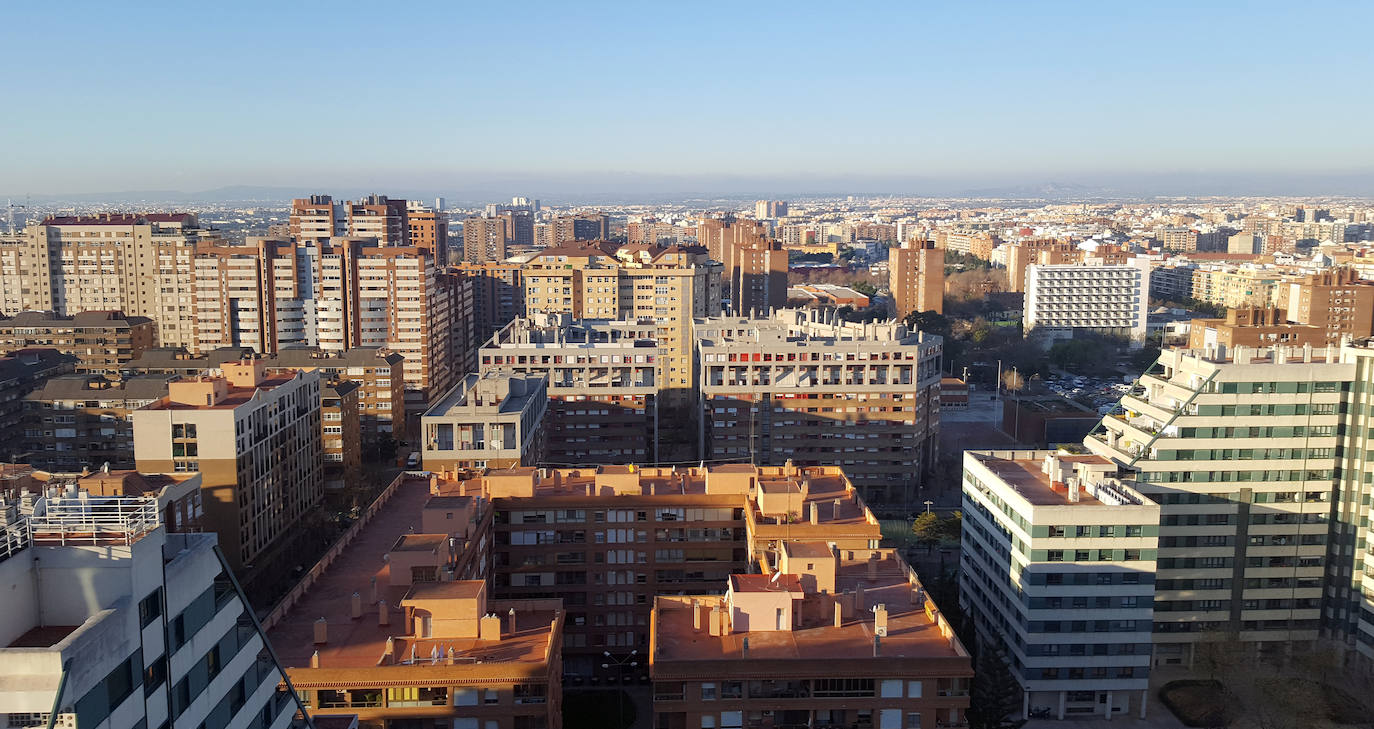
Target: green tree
{"type": "Point", "coordinates": [929, 322]}
{"type": "Point", "coordinates": [952, 529]}
{"type": "Point", "coordinates": [995, 696]}
{"type": "Point", "coordinates": [865, 288]}
{"type": "Point", "coordinates": [926, 526]}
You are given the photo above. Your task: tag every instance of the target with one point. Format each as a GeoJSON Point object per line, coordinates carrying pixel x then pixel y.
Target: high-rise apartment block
{"type": "Point", "coordinates": [101, 341]}
{"type": "Point", "coordinates": [669, 285]}
{"type": "Point", "coordinates": [916, 278]}
{"type": "Point", "coordinates": [1338, 301]}
{"type": "Point", "coordinates": [137, 264]}
{"type": "Point", "coordinates": [485, 239]}
{"type": "Point", "coordinates": [1058, 574]}
{"type": "Point", "coordinates": [807, 388]}
{"type": "Point", "coordinates": [603, 395]}
{"type": "Point", "coordinates": [1107, 299]}
{"type": "Point", "coordinates": [581, 226]}
{"type": "Point", "coordinates": [770, 209]}
{"type": "Point", "coordinates": [498, 296]}
{"type": "Point", "coordinates": [976, 243]}
{"type": "Point", "coordinates": [1178, 239]}
{"type": "Point", "coordinates": [255, 439]}
{"type": "Point", "coordinates": [111, 621]}
{"type": "Point", "coordinates": [755, 265]}
{"type": "Point", "coordinates": [335, 295]}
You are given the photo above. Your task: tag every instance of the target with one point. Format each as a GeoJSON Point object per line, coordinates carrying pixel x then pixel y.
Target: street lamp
{"type": "Point", "coordinates": [621, 664]}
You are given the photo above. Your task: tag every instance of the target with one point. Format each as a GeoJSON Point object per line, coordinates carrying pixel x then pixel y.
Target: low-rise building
{"type": "Point", "coordinates": [101, 341]}
{"type": "Point", "coordinates": [490, 420]}
{"type": "Point", "coordinates": [22, 372]}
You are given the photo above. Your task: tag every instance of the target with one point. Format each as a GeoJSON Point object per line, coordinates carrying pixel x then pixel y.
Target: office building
{"type": "Point", "coordinates": [805, 387]}
{"type": "Point", "coordinates": [112, 621]}
{"type": "Point", "coordinates": [72, 422]}
{"type": "Point", "coordinates": [916, 278]}
{"type": "Point", "coordinates": [1106, 299]}
{"type": "Point", "coordinates": [23, 372]}
{"type": "Point", "coordinates": [825, 637]}
{"type": "Point", "coordinates": [1057, 572]}
{"type": "Point", "coordinates": [139, 264]}
{"type": "Point", "coordinates": [488, 420]}
{"type": "Point", "coordinates": [603, 395]}
{"type": "Point", "coordinates": [101, 341]}
{"type": "Point", "coordinates": [255, 439]}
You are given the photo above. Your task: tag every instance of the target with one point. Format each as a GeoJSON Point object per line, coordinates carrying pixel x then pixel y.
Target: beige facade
{"type": "Point", "coordinates": [491, 420]}
{"type": "Point", "coordinates": [916, 278]}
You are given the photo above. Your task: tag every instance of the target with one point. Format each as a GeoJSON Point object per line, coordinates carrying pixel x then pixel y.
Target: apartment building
{"type": "Point", "coordinates": [579, 226]}
{"type": "Point", "coordinates": [825, 637]}
{"type": "Point", "coordinates": [669, 285]}
{"type": "Point", "coordinates": [1022, 253]}
{"type": "Point", "coordinates": [602, 391]}
{"type": "Point", "coordinates": [81, 421]}
{"type": "Point", "coordinates": [1253, 327]}
{"type": "Point", "coordinates": [348, 292]}
{"type": "Point", "coordinates": [757, 275]}
{"type": "Point", "coordinates": [1107, 299]}
{"type": "Point", "coordinates": [101, 341]}
{"type": "Point", "coordinates": [341, 435]}
{"type": "Point", "coordinates": [498, 296]}
{"type": "Point", "coordinates": [485, 239]}
{"type": "Point", "coordinates": [805, 387]}
{"type": "Point", "coordinates": [139, 264]}
{"type": "Point", "coordinates": [1337, 300]}
{"type": "Point", "coordinates": [488, 420]}
{"type": "Point", "coordinates": [608, 539]}
{"type": "Point", "coordinates": [1178, 239]}
{"type": "Point", "coordinates": [770, 209]}
{"type": "Point", "coordinates": [112, 621]}
{"type": "Point", "coordinates": [256, 440]}
{"type": "Point", "coordinates": [916, 278]}
{"type": "Point", "coordinates": [1348, 612]}
{"type": "Point", "coordinates": [1237, 446]}
{"type": "Point", "coordinates": [1057, 571]}
{"type": "Point", "coordinates": [23, 372]}
{"type": "Point", "coordinates": [976, 243]}
{"type": "Point", "coordinates": [420, 640]}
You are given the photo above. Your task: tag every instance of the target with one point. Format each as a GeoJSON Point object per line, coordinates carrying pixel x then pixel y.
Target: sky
{"type": "Point", "coordinates": [457, 95]}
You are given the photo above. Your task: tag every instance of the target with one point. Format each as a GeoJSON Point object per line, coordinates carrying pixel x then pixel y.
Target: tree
{"type": "Point", "coordinates": [926, 526]}
{"type": "Point", "coordinates": [995, 696]}
{"type": "Point", "coordinates": [1013, 381]}
{"type": "Point", "coordinates": [952, 529]}
{"type": "Point", "coordinates": [929, 322]}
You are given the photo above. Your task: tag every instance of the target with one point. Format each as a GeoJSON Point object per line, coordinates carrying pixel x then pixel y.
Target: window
{"type": "Point", "coordinates": [708, 692]}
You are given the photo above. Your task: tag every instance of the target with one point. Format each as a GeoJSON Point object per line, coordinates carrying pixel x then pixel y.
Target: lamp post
{"type": "Point", "coordinates": [621, 664]}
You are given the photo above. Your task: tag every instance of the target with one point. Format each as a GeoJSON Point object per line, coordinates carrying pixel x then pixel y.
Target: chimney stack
{"type": "Point", "coordinates": [839, 614]}
{"type": "Point", "coordinates": [375, 596]}
{"type": "Point", "coordinates": [696, 615]}
{"type": "Point", "coordinates": [880, 619]}
{"type": "Point", "coordinates": [714, 626]}
{"type": "Point", "coordinates": [1073, 486]}
{"type": "Point", "coordinates": [321, 632]}
{"type": "Point", "coordinates": [873, 566]}
{"type": "Point", "coordinates": [744, 647]}
{"type": "Point", "coordinates": [315, 659]}
{"type": "Point", "coordinates": [383, 613]}
{"type": "Point", "coordinates": [355, 606]}
{"type": "Point", "coordinates": [815, 513]}
{"type": "Point", "coordinates": [859, 597]}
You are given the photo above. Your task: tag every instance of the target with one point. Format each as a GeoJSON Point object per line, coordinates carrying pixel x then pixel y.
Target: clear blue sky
{"type": "Point", "coordinates": [116, 96]}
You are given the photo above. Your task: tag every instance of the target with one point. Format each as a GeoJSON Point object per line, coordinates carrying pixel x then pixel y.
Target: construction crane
{"type": "Point", "coordinates": [10, 207]}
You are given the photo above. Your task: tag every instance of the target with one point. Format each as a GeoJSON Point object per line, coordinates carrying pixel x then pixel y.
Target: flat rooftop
{"type": "Point", "coordinates": [911, 632]}
{"type": "Point", "coordinates": [235, 397]}
{"type": "Point", "coordinates": [360, 643]}
{"type": "Point", "coordinates": [1025, 477]}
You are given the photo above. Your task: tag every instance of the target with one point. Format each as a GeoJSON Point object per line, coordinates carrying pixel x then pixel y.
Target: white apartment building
{"type": "Point", "coordinates": [1105, 299]}
{"type": "Point", "coordinates": [1057, 569]}
{"type": "Point", "coordinates": [118, 624]}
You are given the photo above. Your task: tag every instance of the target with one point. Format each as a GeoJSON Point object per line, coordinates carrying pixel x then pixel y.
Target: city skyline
{"type": "Point", "coordinates": [797, 99]}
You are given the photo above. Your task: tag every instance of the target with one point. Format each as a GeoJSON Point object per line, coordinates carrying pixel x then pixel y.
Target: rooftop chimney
{"type": "Point", "coordinates": [321, 631]}
{"type": "Point", "coordinates": [375, 596]}
{"type": "Point", "coordinates": [714, 626]}
{"type": "Point", "coordinates": [744, 647]}
{"type": "Point", "coordinates": [1074, 489]}
{"type": "Point", "coordinates": [880, 620]}
{"type": "Point", "coordinates": [873, 566]}
{"type": "Point", "coordinates": [489, 627]}
{"type": "Point", "coordinates": [696, 615]}
{"type": "Point", "coordinates": [839, 614]}
{"type": "Point", "coordinates": [815, 513]}
{"type": "Point", "coordinates": [315, 659]}
{"type": "Point", "coordinates": [383, 613]}
{"type": "Point", "coordinates": [859, 597]}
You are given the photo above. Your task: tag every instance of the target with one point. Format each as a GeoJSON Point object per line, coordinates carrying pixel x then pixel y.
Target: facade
{"type": "Point", "coordinates": [1108, 299]}
{"type": "Point", "coordinates": [23, 372]}
{"type": "Point", "coordinates": [825, 637]}
{"type": "Point", "coordinates": [254, 438]}
{"type": "Point", "coordinates": [1338, 301]}
{"type": "Point", "coordinates": [608, 539]}
{"type": "Point", "coordinates": [770, 209]}
{"type": "Point", "coordinates": [485, 239]}
{"type": "Point", "coordinates": [73, 422]}
{"type": "Point", "coordinates": [635, 282]}
{"type": "Point", "coordinates": [488, 420]}
{"type": "Point", "coordinates": [341, 435]}
{"type": "Point", "coordinates": [1057, 571]}
{"type": "Point", "coordinates": [139, 264]}
{"type": "Point", "coordinates": [976, 243]}
{"type": "Point", "coordinates": [112, 621]}
{"type": "Point", "coordinates": [807, 388]}
{"type": "Point", "coordinates": [420, 641]}
{"type": "Point", "coordinates": [916, 278]}
{"type": "Point", "coordinates": [757, 275]}
{"type": "Point", "coordinates": [498, 296]}
{"type": "Point", "coordinates": [101, 341]}
{"type": "Point", "coordinates": [1237, 447]}
{"type": "Point", "coordinates": [1253, 327]}
{"type": "Point", "coordinates": [335, 295]}
{"type": "Point", "coordinates": [603, 396]}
